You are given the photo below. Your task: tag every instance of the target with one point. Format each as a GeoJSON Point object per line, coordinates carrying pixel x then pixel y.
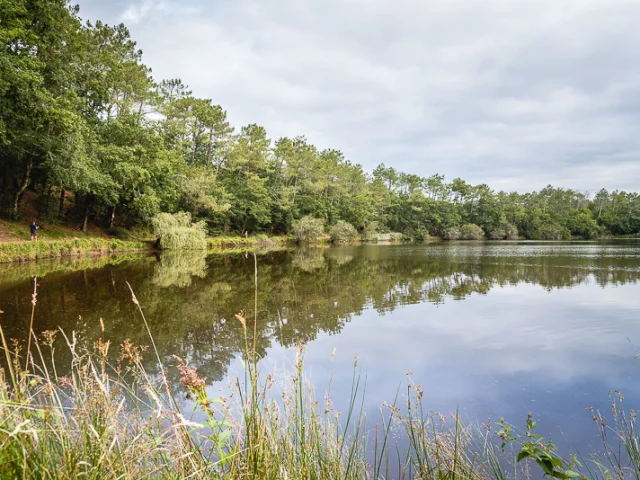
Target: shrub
{"type": "Point", "coordinates": [342, 232]}
{"type": "Point", "coordinates": [471, 231]}
{"type": "Point", "coordinates": [415, 234]}
{"type": "Point", "coordinates": [119, 233]}
{"type": "Point", "coordinates": [178, 232]}
{"type": "Point", "coordinates": [370, 232]}
{"type": "Point", "coordinates": [451, 233]}
{"type": "Point", "coordinates": [307, 229]}
{"type": "Point", "coordinates": [553, 231]}
{"type": "Point", "coordinates": [506, 231]}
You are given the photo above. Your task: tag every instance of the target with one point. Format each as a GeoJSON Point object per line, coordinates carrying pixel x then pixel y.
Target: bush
{"type": "Point", "coordinates": [506, 231]}
{"type": "Point", "coordinates": [370, 232]}
{"type": "Point", "coordinates": [307, 229]}
{"type": "Point", "coordinates": [119, 233]}
{"type": "Point", "coordinates": [471, 231]}
{"type": "Point", "coordinates": [553, 231]}
{"type": "Point", "coordinates": [451, 233]}
{"type": "Point", "coordinates": [178, 232]}
{"type": "Point", "coordinates": [415, 234]}
{"type": "Point", "coordinates": [343, 232]}
{"type": "Point", "coordinates": [396, 237]}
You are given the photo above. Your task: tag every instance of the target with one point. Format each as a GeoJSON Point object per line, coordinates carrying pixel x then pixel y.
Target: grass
{"type": "Point", "coordinates": [25, 251]}
{"type": "Point", "coordinates": [111, 418]}
{"type": "Point", "coordinates": [19, 231]}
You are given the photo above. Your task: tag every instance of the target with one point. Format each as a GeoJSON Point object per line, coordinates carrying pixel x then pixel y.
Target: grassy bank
{"type": "Point", "coordinates": [25, 251]}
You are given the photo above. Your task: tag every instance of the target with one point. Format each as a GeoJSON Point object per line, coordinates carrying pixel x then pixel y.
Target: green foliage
{"type": "Point", "coordinates": [533, 447]}
{"type": "Point", "coordinates": [451, 233]}
{"type": "Point", "coordinates": [119, 233]}
{"type": "Point", "coordinates": [553, 231]}
{"type": "Point", "coordinates": [82, 119]}
{"type": "Point", "coordinates": [342, 232]}
{"type": "Point", "coordinates": [470, 231]}
{"type": "Point", "coordinates": [415, 234]}
{"type": "Point", "coordinates": [308, 229]}
{"type": "Point", "coordinates": [506, 231]}
{"type": "Point", "coordinates": [370, 232]}
{"type": "Point", "coordinates": [178, 232]}
{"type": "Point", "coordinates": [396, 237]}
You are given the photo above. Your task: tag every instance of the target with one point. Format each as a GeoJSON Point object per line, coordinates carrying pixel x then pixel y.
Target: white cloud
{"type": "Point", "coordinates": [137, 12]}
{"type": "Point", "coordinates": [513, 94]}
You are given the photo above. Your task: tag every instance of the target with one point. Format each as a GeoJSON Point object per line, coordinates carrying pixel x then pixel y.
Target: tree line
{"type": "Point", "coordinates": [88, 130]}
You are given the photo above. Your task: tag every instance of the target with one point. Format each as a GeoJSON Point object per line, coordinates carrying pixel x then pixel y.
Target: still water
{"type": "Point", "coordinates": [488, 329]}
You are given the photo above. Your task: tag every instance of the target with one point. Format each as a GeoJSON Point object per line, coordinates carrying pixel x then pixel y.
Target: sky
{"type": "Point", "coordinates": [517, 94]}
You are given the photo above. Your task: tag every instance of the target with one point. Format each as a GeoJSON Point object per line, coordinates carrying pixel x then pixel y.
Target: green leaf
{"type": "Point", "coordinates": [571, 474]}
{"type": "Point", "coordinates": [546, 466]}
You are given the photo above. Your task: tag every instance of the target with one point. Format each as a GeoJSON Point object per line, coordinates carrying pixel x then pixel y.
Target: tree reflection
{"type": "Point", "coordinates": [177, 268]}
{"type": "Point", "coordinates": [190, 301]}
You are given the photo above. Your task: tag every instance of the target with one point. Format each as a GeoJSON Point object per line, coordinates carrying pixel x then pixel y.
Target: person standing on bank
{"type": "Point", "coordinates": [34, 230]}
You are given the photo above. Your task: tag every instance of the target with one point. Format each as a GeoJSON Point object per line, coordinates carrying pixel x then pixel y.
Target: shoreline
{"type": "Point", "coordinates": [28, 251]}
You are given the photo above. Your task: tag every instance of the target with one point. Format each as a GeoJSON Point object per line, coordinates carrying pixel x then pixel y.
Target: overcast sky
{"type": "Point", "coordinates": [514, 93]}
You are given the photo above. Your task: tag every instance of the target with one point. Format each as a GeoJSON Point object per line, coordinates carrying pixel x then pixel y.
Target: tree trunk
{"type": "Point", "coordinates": [112, 217]}
{"type": "Point", "coordinates": [87, 210]}
{"type": "Point", "coordinates": [61, 207]}
{"type": "Point", "coordinates": [26, 180]}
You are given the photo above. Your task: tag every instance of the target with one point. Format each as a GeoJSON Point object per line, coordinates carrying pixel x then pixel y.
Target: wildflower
{"type": "Point", "coordinates": [131, 352]}
{"type": "Point", "coordinates": [48, 337]}
{"type": "Point", "coordinates": [242, 319]}
{"type": "Point", "coordinates": [189, 378]}
{"type": "Point", "coordinates": [66, 382]}
{"type": "Point", "coordinates": [102, 347]}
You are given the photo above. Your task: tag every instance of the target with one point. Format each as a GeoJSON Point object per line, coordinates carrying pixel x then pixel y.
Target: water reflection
{"type": "Point", "coordinates": [178, 268]}
{"type": "Point", "coordinates": [542, 327]}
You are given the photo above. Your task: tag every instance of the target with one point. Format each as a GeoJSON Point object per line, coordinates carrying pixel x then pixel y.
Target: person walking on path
{"type": "Point", "coordinates": [34, 230]}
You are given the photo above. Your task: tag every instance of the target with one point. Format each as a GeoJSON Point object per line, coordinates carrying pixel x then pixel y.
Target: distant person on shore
{"type": "Point", "coordinates": [34, 230]}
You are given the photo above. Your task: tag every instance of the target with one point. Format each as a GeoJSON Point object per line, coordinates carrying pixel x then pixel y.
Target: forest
{"type": "Point", "coordinates": [88, 132]}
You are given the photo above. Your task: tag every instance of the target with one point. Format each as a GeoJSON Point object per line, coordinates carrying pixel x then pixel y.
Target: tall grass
{"type": "Point", "coordinates": [24, 251]}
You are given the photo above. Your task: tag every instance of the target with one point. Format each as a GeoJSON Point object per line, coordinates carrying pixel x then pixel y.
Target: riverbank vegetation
{"type": "Point", "coordinates": [25, 251]}
{"type": "Point", "coordinates": [88, 136]}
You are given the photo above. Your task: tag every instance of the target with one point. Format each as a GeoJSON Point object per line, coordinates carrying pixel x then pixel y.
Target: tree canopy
{"type": "Point", "coordinates": [88, 130]}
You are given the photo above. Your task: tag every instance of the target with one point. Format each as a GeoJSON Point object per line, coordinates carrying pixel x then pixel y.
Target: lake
{"type": "Point", "coordinates": [489, 329]}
